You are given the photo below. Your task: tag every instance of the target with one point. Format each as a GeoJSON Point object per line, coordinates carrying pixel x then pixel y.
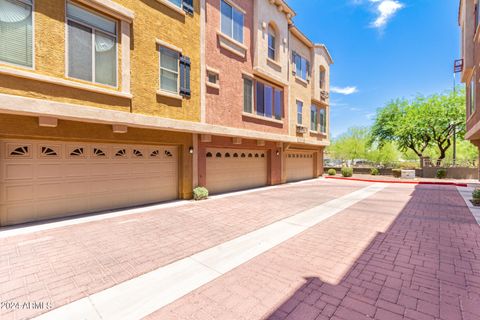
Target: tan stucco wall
{"type": "Point", "coordinates": [21, 127]}
{"type": "Point", "coordinates": [304, 91]}
{"type": "Point", "coordinates": [152, 21]}
{"type": "Point", "coordinates": [265, 13]}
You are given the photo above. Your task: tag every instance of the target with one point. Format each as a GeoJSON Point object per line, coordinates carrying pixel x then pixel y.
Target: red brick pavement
{"type": "Point", "coordinates": [63, 265]}
{"type": "Point", "coordinates": [406, 253]}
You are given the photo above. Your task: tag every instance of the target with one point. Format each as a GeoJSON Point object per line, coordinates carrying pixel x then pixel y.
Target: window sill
{"type": "Point", "coordinates": [275, 63]}
{"type": "Point", "coordinates": [62, 82]}
{"type": "Point", "coordinates": [167, 3]}
{"type": "Point", "coordinates": [169, 94]}
{"type": "Point", "coordinates": [317, 133]}
{"type": "Point", "coordinates": [213, 85]}
{"type": "Point", "coordinates": [305, 82]}
{"type": "Point", "coordinates": [232, 45]}
{"type": "Point", "coordinates": [254, 116]}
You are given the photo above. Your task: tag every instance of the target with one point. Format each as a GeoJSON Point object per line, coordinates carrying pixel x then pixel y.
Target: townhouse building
{"type": "Point", "coordinates": [469, 21]}
{"type": "Point", "coordinates": [109, 104]}
{"type": "Point", "coordinates": [251, 85]}
{"type": "Point", "coordinates": [93, 98]}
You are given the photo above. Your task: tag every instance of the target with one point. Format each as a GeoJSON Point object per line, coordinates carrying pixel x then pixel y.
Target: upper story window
{"type": "Point", "coordinates": [174, 72]}
{"type": "Point", "coordinates": [92, 46]}
{"type": "Point", "coordinates": [313, 118]}
{"type": "Point", "coordinates": [187, 5]}
{"type": "Point", "coordinates": [232, 21]}
{"type": "Point", "coordinates": [247, 95]}
{"type": "Point", "coordinates": [322, 78]}
{"type": "Point", "coordinates": [323, 121]}
{"type": "Point", "coordinates": [299, 112]}
{"type": "Point", "coordinates": [16, 45]}
{"type": "Point", "coordinates": [302, 66]}
{"type": "Point", "coordinates": [266, 100]}
{"type": "Point", "coordinates": [272, 52]}
{"type": "Point", "coordinates": [169, 69]}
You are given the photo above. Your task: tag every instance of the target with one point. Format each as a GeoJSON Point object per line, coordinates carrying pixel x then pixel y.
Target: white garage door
{"type": "Point", "coordinates": [47, 179]}
{"type": "Point", "coordinates": [231, 169]}
{"type": "Point", "coordinates": [300, 166]}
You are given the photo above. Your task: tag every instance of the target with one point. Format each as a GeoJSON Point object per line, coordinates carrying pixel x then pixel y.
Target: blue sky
{"type": "Point", "coordinates": [382, 49]}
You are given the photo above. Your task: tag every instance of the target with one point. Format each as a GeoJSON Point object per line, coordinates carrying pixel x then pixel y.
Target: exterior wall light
{"type": "Point", "coordinates": [190, 150]}
{"type": "Point", "coordinates": [278, 153]}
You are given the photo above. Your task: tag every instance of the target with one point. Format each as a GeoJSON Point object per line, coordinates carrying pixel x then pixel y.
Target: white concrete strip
{"type": "Point", "coordinates": [6, 232]}
{"type": "Point", "coordinates": [139, 297]}
{"type": "Point", "coordinates": [466, 194]}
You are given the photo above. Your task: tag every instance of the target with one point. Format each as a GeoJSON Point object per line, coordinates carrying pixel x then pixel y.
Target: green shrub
{"type": "Point", "coordinates": [332, 172]}
{"type": "Point", "coordinates": [374, 172]}
{"type": "Point", "coordinates": [397, 173]}
{"type": "Point", "coordinates": [441, 173]}
{"type": "Point", "coordinates": [476, 193]}
{"type": "Point", "coordinates": [347, 172]}
{"type": "Point", "coordinates": [200, 193]}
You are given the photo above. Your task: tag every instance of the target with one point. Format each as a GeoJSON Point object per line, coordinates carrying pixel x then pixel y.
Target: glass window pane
{"type": "Point", "coordinates": [168, 59]}
{"type": "Point", "coordinates": [16, 32]}
{"type": "Point", "coordinates": [268, 101]}
{"type": "Point", "coordinates": [271, 46]}
{"type": "Point", "coordinates": [105, 59]}
{"type": "Point", "coordinates": [90, 18]}
{"type": "Point", "coordinates": [260, 99]}
{"type": "Point", "coordinates": [298, 66]}
{"type": "Point", "coordinates": [278, 104]}
{"type": "Point", "coordinates": [299, 112]}
{"type": "Point", "coordinates": [304, 69]}
{"type": "Point", "coordinates": [178, 3]}
{"type": "Point", "coordinates": [237, 25]}
{"type": "Point", "coordinates": [227, 26]}
{"type": "Point", "coordinates": [247, 95]}
{"type": "Point", "coordinates": [79, 51]}
{"type": "Point", "coordinates": [168, 81]}
{"type": "Point", "coordinates": [313, 119]}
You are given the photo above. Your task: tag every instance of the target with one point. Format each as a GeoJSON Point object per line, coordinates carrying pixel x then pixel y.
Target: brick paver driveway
{"type": "Point", "coordinates": [407, 252]}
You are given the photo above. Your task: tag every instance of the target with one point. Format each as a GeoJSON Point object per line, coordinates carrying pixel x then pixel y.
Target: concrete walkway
{"type": "Point", "coordinates": [317, 250]}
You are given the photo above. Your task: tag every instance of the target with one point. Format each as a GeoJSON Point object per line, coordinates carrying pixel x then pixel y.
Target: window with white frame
{"type": "Point", "coordinates": [174, 72]}
{"type": "Point", "coordinates": [169, 69]}
{"type": "Point", "coordinates": [271, 43]}
{"type": "Point", "coordinates": [302, 66]}
{"type": "Point", "coordinates": [16, 32]}
{"type": "Point", "coordinates": [231, 21]}
{"type": "Point", "coordinates": [92, 46]}
{"type": "Point", "coordinates": [299, 112]}
{"type": "Point", "coordinates": [212, 77]}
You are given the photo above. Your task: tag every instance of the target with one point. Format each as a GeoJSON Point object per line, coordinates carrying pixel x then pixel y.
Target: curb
{"type": "Point", "coordinates": [402, 182]}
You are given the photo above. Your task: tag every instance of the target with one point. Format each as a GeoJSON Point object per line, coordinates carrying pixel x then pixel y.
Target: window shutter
{"type": "Point", "coordinates": [185, 76]}
{"type": "Point", "coordinates": [188, 6]}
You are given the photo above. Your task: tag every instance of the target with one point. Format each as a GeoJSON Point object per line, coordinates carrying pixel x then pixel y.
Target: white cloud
{"type": "Point", "coordinates": [345, 91]}
{"type": "Point", "coordinates": [386, 10]}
